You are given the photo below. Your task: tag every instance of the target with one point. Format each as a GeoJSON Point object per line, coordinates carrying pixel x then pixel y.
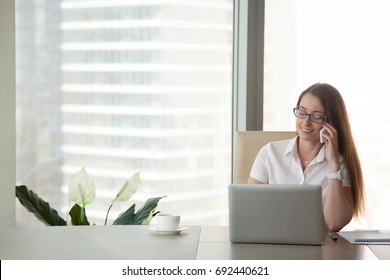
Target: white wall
{"type": "Point", "coordinates": [7, 112]}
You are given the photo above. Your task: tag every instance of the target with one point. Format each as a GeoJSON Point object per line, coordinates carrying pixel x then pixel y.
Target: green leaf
{"type": "Point", "coordinates": [37, 206]}
{"type": "Point", "coordinates": [144, 212]}
{"type": "Point", "coordinates": [150, 217]}
{"type": "Point", "coordinates": [78, 216]}
{"type": "Point", "coordinates": [127, 217]}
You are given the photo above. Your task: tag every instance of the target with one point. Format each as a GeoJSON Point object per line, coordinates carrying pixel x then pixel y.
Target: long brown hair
{"type": "Point", "coordinates": [336, 112]}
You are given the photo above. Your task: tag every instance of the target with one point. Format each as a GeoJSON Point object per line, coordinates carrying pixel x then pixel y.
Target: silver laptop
{"type": "Point", "coordinates": [282, 214]}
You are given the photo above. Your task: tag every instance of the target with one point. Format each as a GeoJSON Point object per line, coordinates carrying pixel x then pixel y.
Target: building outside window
{"type": "Point", "coordinates": [121, 87]}
{"type": "Point", "coordinates": [126, 86]}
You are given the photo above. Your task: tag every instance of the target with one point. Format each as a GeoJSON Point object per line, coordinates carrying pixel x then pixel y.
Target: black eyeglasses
{"type": "Point", "coordinates": [316, 118]}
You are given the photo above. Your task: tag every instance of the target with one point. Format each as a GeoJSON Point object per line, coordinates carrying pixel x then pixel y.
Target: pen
{"type": "Point", "coordinates": [332, 236]}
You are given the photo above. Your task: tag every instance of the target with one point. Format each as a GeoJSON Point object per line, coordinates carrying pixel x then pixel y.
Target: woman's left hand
{"type": "Point", "coordinates": [331, 144]}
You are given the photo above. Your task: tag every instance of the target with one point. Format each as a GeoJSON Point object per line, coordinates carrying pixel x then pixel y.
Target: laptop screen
{"type": "Point", "coordinates": [284, 214]}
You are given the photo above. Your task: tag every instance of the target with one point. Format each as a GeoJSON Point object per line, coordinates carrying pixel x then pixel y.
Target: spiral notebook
{"type": "Point", "coordinates": [370, 237]}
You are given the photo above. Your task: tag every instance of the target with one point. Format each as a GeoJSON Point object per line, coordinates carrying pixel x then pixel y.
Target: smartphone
{"type": "Point", "coordinates": [321, 138]}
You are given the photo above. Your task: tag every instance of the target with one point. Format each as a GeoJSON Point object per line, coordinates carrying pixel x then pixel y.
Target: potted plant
{"type": "Point", "coordinates": [82, 192]}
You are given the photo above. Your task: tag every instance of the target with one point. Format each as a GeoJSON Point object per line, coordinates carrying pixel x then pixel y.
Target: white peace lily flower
{"type": "Point", "coordinates": [81, 188]}
{"type": "Point", "coordinates": [129, 188]}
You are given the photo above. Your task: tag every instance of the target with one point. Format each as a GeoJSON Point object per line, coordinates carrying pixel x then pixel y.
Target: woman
{"type": "Point", "coordinates": [333, 164]}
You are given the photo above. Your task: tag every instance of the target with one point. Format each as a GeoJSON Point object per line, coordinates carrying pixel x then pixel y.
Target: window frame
{"type": "Point", "coordinates": [248, 65]}
{"type": "Point", "coordinates": [7, 109]}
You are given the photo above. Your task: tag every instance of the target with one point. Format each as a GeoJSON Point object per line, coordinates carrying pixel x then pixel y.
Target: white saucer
{"type": "Point", "coordinates": [175, 231]}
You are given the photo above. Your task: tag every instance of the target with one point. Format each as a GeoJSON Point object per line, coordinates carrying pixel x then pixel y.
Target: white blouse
{"type": "Point", "coordinates": [278, 163]}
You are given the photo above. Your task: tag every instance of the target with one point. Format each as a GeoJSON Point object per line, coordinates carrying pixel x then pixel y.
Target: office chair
{"type": "Point", "coordinates": [247, 146]}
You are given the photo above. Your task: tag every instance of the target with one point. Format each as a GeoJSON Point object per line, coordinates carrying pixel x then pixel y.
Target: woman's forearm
{"type": "Point", "coordinates": [337, 206]}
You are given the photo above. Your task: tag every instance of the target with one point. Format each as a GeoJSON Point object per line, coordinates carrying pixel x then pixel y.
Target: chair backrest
{"type": "Point", "coordinates": [247, 146]}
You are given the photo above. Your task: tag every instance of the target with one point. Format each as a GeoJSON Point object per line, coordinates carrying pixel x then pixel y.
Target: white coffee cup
{"type": "Point", "coordinates": [168, 221]}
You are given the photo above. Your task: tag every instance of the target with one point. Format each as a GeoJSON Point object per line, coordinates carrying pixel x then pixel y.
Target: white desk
{"type": "Point", "coordinates": [381, 251]}
{"type": "Point", "coordinates": [96, 242]}
{"type": "Point", "coordinates": [215, 244]}
{"type": "Point", "coordinates": [138, 242]}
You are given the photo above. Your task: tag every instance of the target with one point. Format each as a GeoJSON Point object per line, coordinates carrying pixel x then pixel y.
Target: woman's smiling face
{"type": "Point", "coordinates": [306, 128]}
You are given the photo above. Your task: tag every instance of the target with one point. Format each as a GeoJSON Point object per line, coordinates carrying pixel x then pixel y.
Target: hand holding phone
{"type": "Point", "coordinates": [321, 137]}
